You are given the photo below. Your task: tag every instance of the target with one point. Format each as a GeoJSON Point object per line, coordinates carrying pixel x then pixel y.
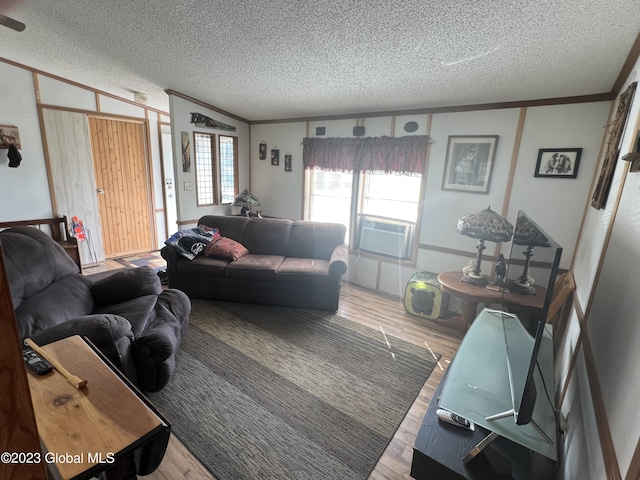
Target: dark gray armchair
{"type": "Point", "coordinates": [127, 315]}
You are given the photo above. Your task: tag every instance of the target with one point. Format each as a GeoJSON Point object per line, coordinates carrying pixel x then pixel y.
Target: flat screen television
{"type": "Point", "coordinates": [531, 270]}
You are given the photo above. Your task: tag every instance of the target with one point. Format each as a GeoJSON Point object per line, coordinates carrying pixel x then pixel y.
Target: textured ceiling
{"type": "Point", "coordinates": [287, 59]}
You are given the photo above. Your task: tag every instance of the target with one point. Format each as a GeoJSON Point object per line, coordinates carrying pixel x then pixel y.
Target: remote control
{"type": "Point", "coordinates": [35, 362]}
{"type": "Point", "coordinates": [454, 419]}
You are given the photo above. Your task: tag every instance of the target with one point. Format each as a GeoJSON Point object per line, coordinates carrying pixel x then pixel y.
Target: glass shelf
{"type": "Point", "coordinates": [478, 386]}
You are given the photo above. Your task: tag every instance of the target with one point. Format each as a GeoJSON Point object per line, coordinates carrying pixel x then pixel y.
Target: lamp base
{"type": "Point", "coordinates": [523, 288]}
{"type": "Point", "coordinates": [477, 280]}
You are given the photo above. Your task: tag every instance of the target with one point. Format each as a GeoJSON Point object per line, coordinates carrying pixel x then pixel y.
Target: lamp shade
{"type": "Point", "coordinates": [246, 199]}
{"type": "Point", "coordinates": [527, 233]}
{"type": "Point", "coordinates": [486, 225]}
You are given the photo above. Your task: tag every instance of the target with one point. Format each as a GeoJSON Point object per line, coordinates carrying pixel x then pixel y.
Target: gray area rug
{"type": "Point", "coordinates": [282, 393]}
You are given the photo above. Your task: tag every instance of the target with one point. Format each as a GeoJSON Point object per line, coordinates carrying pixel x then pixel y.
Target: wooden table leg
{"type": "Point", "coordinates": [461, 322]}
{"type": "Point", "coordinates": [469, 312]}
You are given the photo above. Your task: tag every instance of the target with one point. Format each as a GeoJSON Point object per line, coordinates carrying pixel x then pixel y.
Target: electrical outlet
{"type": "Point", "coordinates": [188, 186]}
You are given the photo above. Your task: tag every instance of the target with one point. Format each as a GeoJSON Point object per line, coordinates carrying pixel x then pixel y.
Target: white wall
{"type": "Point", "coordinates": [606, 265]}
{"type": "Point", "coordinates": [614, 320]}
{"type": "Point", "coordinates": [443, 208]}
{"type": "Point", "coordinates": [24, 191]}
{"type": "Point", "coordinates": [181, 109]}
{"type": "Point", "coordinates": [557, 204]}
{"type": "Point", "coordinates": [279, 192]}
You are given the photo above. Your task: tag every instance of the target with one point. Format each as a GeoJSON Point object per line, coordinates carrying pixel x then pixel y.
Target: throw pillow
{"type": "Point", "coordinates": [189, 243]}
{"type": "Point", "coordinates": [226, 248]}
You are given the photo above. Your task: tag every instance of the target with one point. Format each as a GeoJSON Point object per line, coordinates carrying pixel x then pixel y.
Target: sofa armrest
{"type": "Point", "coordinates": [104, 330]}
{"type": "Point", "coordinates": [339, 260]}
{"type": "Point", "coordinates": [154, 351]}
{"type": "Point", "coordinates": [125, 285]}
{"type": "Point", "coordinates": [172, 256]}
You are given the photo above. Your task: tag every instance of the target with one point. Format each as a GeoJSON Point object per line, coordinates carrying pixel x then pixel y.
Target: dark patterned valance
{"type": "Point", "coordinates": [388, 154]}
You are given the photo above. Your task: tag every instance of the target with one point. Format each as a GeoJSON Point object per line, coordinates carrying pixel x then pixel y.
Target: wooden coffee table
{"type": "Point", "coordinates": [96, 428]}
{"type": "Point", "coordinates": [472, 295]}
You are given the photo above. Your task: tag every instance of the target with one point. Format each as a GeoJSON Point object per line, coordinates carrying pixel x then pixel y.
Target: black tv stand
{"type": "Point", "coordinates": [440, 449]}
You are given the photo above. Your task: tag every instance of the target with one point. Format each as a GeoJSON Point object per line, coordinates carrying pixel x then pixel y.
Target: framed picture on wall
{"type": "Point", "coordinates": [469, 162]}
{"type": "Point", "coordinates": [558, 162]}
{"type": "Point", "coordinates": [275, 157]}
{"type": "Point", "coordinates": [614, 140]}
{"type": "Point", "coordinates": [186, 152]}
{"type": "Point", "coordinates": [287, 162]}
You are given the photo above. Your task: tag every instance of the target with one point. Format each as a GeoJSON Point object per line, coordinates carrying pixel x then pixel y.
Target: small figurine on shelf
{"type": "Point", "coordinates": [244, 211]}
{"type": "Point", "coordinates": [469, 268]}
{"type": "Point", "coordinates": [501, 270]}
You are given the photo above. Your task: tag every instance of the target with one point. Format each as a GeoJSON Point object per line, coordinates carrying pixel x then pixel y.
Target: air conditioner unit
{"type": "Point", "coordinates": [386, 237]}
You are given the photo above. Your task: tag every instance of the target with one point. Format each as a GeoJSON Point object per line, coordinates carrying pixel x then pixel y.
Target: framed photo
{"type": "Point", "coordinates": [287, 162]}
{"type": "Point", "coordinates": [186, 152]}
{"type": "Point", "coordinates": [275, 157]}
{"type": "Point", "coordinates": [262, 152]}
{"type": "Point", "coordinates": [9, 135]}
{"type": "Point", "coordinates": [469, 162]}
{"type": "Point", "coordinates": [558, 162]}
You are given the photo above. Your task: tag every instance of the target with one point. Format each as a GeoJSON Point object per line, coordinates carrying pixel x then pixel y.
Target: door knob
{"type": "Point", "coordinates": [100, 191]}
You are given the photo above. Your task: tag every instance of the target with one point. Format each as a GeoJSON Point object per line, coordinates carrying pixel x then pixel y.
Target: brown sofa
{"type": "Point", "coordinates": [290, 263]}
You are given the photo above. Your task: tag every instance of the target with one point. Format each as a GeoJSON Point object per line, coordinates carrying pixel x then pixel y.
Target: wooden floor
{"type": "Point", "coordinates": [376, 311]}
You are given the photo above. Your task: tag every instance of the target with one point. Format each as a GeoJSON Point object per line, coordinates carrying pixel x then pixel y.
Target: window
{"type": "Point", "coordinates": [205, 168]}
{"type": "Point", "coordinates": [228, 168]}
{"type": "Point", "coordinates": [348, 180]}
{"type": "Point", "coordinates": [390, 195]}
{"type": "Point", "coordinates": [211, 188]}
{"type": "Point", "coordinates": [329, 196]}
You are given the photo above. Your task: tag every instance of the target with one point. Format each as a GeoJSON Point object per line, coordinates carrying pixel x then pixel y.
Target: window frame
{"type": "Point", "coordinates": [214, 183]}
{"type": "Point", "coordinates": [355, 214]}
{"type": "Point", "coordinates": [235, 168]}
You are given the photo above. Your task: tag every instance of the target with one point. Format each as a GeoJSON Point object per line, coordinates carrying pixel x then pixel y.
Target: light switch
{"type": "Point", "coordinates": [188, 186]}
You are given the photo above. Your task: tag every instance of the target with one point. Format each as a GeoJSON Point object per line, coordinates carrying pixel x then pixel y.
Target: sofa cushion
{"type": "Point", "coordinates": [268, 236]}
{"type": "Point", "coordinates": [203, 265]}
{"type": "Point", "coordinates": [33, 261]}
{"type": "Point", "coordinates": [225, 248]}
{"type": "Point", "coordinates": [229, 226]}
{"type": "Point", "coordinates": [65, 299]}
{"type": "Point", "coordinates": [255, 267]}
{"type": "Point", "coordinates": [125, 285]}
{"type": "Point", "coordinates": [303, 271]}
{"type": "Point", "coordinates": [314, 240]}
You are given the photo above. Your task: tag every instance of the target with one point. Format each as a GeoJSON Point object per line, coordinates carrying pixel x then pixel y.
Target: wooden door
{"type": "Point", "coordinates": [72, 180]}
{"type": "Point", "coordinates": [122, 186]}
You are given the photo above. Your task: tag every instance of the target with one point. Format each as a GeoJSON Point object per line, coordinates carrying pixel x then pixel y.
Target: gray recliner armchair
{"type": "Point", "coordinates": [127, 315]}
